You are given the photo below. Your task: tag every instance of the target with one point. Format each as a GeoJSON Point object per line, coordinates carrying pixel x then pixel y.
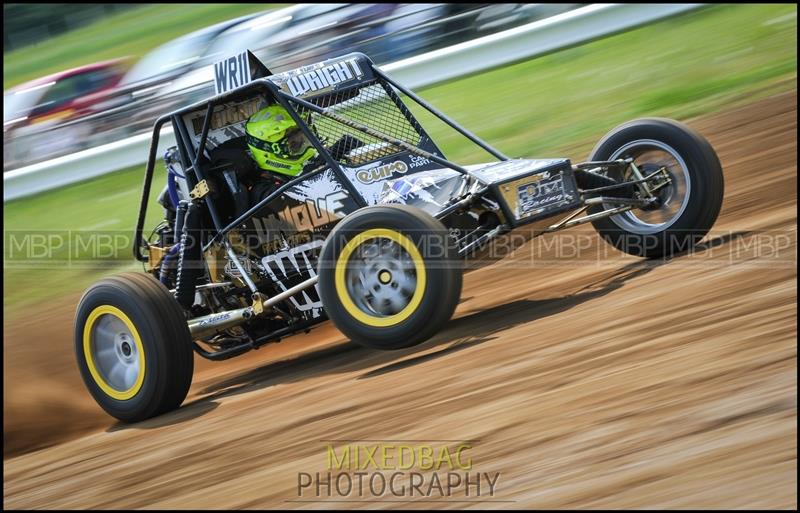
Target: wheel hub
{"type": "Point", "coordinates": [382, 279]}
{"type": "Point", "coordinates": [670, 200]}
{"type": "Point", "coordinates": [115, 352]}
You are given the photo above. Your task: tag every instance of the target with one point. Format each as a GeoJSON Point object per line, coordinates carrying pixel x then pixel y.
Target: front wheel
{"type": "Point", "coordinates": [686, 209]}
{"type": "Point", "coordinates": [389, 276]}
{"type": "Point", "coordinates": [133, 347]}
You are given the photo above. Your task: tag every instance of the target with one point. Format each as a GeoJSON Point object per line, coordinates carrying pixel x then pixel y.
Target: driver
{"type": "Point", "coordinates": [276, 143]}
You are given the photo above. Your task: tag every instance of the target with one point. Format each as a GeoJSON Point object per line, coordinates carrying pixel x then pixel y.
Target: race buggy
{"type": "Point", "coordinates": [374, 234]}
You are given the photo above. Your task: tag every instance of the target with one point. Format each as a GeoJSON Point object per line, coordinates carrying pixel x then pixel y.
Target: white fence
{"type": "Point", "coordinates": [503, 48]}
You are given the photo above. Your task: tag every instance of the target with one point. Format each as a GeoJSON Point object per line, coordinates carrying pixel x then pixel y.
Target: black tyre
{"type": "Point", "coordinates": [389, 276]}
{"type": "Point", "coordinates": [688, 207]}
{"type": "Point", "coordinates": [133, 347]}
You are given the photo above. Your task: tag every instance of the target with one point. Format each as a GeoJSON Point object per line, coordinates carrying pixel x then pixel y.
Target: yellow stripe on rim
{"type": "Point", "coordinates": [120, 395]}
{"type": "Point", "coordinates": [341, 288]}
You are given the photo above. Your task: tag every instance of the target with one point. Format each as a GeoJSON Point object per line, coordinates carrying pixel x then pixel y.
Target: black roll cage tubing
{"type": "Point", "coordinates": [192, 160]}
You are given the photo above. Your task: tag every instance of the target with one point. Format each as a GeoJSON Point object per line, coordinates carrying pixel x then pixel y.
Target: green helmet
{"type": "Point", "coordinates": [276, 142]}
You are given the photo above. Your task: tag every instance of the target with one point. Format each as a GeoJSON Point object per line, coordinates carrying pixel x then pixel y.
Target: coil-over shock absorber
{"type": "Point", "coordinates": [170, 260]}
{"type": "Point", "coordinates": [189, 257]}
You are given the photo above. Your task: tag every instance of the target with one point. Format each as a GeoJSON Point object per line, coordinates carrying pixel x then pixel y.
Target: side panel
{"type": "Point", "coordinates": [528, 190]}
{"type": "Point", "coordinates": [284, 238]}
{"type": "Point", "coordinates": [427, 190]}
{"type": "Point", "coordinates": [371, 179]}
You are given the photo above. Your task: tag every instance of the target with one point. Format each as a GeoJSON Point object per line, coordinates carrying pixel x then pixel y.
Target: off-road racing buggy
{"type": "Point", "coordinates": [375, 237]}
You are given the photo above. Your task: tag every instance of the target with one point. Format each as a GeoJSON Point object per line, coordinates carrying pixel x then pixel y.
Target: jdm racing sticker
{"type": "Point", "coordinates": [540, 194]}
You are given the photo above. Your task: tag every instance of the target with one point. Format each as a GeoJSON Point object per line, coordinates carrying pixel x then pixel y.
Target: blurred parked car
{"type": "Point", "coordinates": [60, 96]}
{"type": "Point", "coordinates": [391, 32]}
{"type": "Point", "coordinates": [137, 105]}
{"type": "Point", "coordinates": [304, 33]}
{"type": "Point", "coordinates": [154, 71]}
{"type": "Point", "coordinates": [179, 73]}
{"type": "Point", "coordinates": [291, 37]}
{"type": "Point", "coordinates": [196, 84]}
{"type": "Point", "coordinates": [252, 35]}
{"type": "Point", "coordinates": [173, 59]}
{"type": "Point", "coordinates": [463, 22]}
{"type": "Point", "coordinates": [36, 107]}
{"type": "Point", "coordinates": [386, 32]}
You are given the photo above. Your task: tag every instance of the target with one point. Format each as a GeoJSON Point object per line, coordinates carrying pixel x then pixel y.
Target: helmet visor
{"type": "Point", "coordinates": [292, 144]}
{"type": "Point", "coordinates": [296, 142]}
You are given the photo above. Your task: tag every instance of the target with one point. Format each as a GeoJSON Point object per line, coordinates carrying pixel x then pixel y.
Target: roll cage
{"type": "Point", "coordinates": [278, 88]}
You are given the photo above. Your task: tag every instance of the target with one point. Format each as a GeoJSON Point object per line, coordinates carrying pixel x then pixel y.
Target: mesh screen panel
{"type": "Point", "coordinates": [368, 105]}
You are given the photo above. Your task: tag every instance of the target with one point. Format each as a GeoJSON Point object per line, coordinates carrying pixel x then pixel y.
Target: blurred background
{"type": "Point", "coordinates": [80, 77]}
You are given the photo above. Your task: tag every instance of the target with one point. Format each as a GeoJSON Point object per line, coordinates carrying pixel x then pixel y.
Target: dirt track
{"type": "Point", "coordinates": [604, 381]}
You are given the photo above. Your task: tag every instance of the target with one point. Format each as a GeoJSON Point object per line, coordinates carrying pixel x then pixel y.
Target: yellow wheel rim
{"type": "Point", "coordinates": [381, 277]}
{"type": "Point", "coordinates": [114, 352]}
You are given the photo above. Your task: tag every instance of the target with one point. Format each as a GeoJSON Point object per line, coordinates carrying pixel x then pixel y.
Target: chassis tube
{"type": "Point", "coordinates": [570, 221]}
{"type": "Point", "coordinates": [374, 133]}
{"type": "Point", "coordinates": [209, 324]}
{"type": "Point", "coordinates": [148, 178]}
{"type": "Point", "coordinates": [430, 108]}
{"type": "Point", "coordinates": [235, 260]}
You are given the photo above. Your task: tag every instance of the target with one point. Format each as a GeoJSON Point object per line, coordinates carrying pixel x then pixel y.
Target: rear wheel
{"type": "Point", "coordinates": [686, 208]}
{"type": "Point", "coordinates": [133, 347]}
{"type": "Point", "coordinates": [389, 276]}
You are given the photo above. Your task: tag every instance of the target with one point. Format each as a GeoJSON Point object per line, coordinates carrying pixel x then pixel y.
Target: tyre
{"type": "Point", "coordinates": [389, 276]}
{"type": "Point", "coordinates": [687, 207]}
{"type": "Point", "coordinates": [133, 347]}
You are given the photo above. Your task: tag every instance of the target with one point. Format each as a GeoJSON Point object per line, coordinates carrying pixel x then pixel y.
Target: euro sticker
{"type": "Point", "coordinates": [378, 173]}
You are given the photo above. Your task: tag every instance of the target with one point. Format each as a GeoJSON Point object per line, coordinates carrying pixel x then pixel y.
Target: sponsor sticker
{"type": "Point", "coordinates": [506, 170]}
{"type": "Point", "coordinates": [227, 114]}
{"type": "Point", "coordinates": [541, 193]}
{"type": "Point", "coordinates": [309, 213]}
{"type": "Point", "coordinates": [322, 77]}
{"type": "Point", "coordinates": [213, 320]}
{"type": "Point", "coordinates": [378, 173]}
{"type": "Point", "coordinates": [417, 161]}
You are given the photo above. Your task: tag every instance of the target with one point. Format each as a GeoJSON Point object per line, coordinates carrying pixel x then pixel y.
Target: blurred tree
{"type": "Point", "coordinates": [26, 24]}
